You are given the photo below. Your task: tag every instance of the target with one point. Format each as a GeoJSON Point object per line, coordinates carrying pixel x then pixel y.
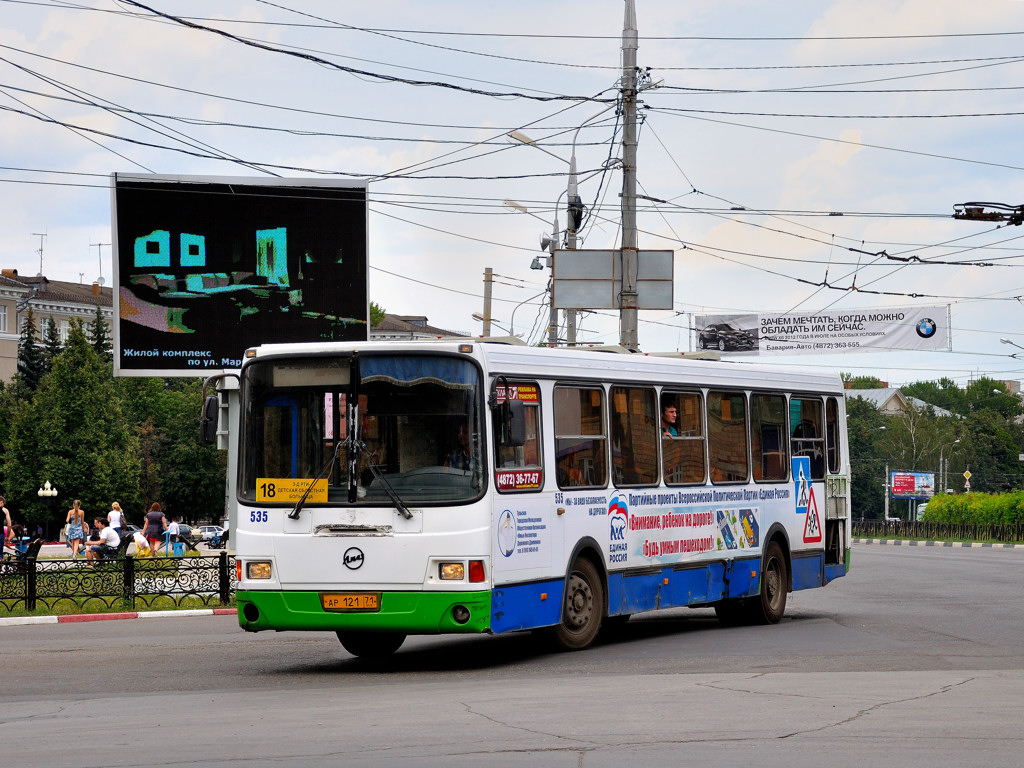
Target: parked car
{"type": "Point", "coordinates": [723, 336]}
{"type": "Point", "coordinates": [209, 531]}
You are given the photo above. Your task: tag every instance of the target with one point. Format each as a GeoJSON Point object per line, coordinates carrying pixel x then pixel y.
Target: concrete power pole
{"type": "Point", "coordinates": [488, 282]}
{"type": "Point", "coordinates": [628, 296]}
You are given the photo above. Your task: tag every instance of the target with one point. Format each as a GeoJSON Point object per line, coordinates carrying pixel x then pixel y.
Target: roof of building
{"type": "Point", "coordinates": [415, 325]}
{"type": "Point", "coordinates": [891, 399]}
{"type": "Point", "coordinates": [60, 291]}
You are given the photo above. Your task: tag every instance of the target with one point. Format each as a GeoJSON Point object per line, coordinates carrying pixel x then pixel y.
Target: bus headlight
{"type": "Point", "coordinates": [258, 569]}
{"type": "Point", "coordinates": [451, 571]}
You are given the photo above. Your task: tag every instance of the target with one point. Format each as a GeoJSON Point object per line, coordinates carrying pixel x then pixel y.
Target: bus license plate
{"type": "Point", "coordinates": [345, 602]}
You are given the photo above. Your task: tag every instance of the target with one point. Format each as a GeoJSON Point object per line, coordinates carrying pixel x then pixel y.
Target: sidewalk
{"type": "Point", "coordinates": [956, 544]}
{"type": "Point", "coordinates": [79, 617]}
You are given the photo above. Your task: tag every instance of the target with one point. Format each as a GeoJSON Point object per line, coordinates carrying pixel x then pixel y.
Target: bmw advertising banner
{"type": "Point", "coordinates": [846, 330]}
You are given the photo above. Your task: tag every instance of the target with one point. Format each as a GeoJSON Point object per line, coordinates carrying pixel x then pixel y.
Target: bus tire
{"type": "Point", "coordinates": [769, 607]}
{"type": "Point", "coordinates": [371, 645]}
{"type": "Point", "coordinates": [582, 607]}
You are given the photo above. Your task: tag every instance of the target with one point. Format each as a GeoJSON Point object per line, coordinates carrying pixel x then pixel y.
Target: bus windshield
{"type": "Point", "coordinates": [402, 425]}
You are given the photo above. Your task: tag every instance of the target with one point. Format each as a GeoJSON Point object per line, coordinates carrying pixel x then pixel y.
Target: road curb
{"type": "Point", "coordinates": [951, 544]}
{"type": "Point", "coordinates": [80, 617]}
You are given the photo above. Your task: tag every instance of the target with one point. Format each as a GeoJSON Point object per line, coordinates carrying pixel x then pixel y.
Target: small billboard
{"type": "Point", "coordinates": [912, 485]}
{"type": "Point", "coordinates": [205, 267]}
{"type": "Point", "coordinates": [592, 279]}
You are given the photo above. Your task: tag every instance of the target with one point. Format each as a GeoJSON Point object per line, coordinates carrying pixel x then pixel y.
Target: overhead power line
{"type": "Point", "coordinates": [352, 70]}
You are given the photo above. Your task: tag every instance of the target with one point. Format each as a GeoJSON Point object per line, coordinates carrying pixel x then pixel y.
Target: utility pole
{"type": "Point", "coordinates": [885, 486]}
{"type": "Point", "coordinates": [488, 282]}
{"type": "Point", "coordinates": [628, 296]}
{"type": "Point", "coordinates": [574, 212]}
{"type": "Point", "coordinates": [41, 236]}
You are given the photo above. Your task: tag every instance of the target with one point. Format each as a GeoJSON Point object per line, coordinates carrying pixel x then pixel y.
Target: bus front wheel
{"type": "Point", "coordinates": [371, 645]}
{"type": "Point", "coordinates": [582, 607]}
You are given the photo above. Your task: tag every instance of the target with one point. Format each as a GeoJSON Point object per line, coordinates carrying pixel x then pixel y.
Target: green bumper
{"type": "Point", "coordinates": [412, 613]}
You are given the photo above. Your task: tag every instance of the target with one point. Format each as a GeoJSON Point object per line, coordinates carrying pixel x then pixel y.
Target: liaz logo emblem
{"type": "Point", "coordinates": [353, 558]}
{"type": "Point", "coordinates": [926, 327]}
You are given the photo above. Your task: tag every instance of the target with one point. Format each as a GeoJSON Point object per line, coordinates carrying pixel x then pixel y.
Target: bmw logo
{"type": "Point", "coordinates": [926, 328]}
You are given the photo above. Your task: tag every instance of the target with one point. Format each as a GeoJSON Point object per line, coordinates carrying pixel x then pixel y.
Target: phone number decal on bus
{"type": "Point", "coordinates": [519, 481]}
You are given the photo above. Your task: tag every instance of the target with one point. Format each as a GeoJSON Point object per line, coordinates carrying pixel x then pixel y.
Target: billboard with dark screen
{"type": "Point", "coordinates": [205, 267]}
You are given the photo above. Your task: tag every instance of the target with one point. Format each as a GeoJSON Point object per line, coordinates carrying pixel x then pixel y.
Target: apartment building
{"type": "Point", "coordinates": [48, 298]}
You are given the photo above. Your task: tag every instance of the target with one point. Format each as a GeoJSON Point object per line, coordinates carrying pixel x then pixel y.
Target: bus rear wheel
{"type": "Point", "coordinates": [774, 586]}
{"type": "Point", "coordinates": [371, 645]}
{"type": "Point", "coordinates": [770, 604]}
{"type": "Point", "coordinates": [582, 608]}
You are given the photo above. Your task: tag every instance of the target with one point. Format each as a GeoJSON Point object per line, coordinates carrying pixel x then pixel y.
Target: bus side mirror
{"type": "Point", "coordinates": [208, 422]}
{"type": "Point", "coordinates": [516, 426]}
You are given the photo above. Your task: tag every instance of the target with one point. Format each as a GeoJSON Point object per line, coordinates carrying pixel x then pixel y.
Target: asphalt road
{"type": "Point", "coordinates": [915, 659]}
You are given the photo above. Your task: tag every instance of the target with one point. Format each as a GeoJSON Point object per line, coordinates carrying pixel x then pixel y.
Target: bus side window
{"type": "Point", "coordinates": [727, 437]}
{"type": "Point", "coordinates": [832, 429]}
{"type": "Point", "coordinates": [634, 436]}
{"type": "Point", "coordinates": [807, 427]}
{"type": "Point", "coordinates": [682, 454]}
{"type": "Point", "coordinates": [768, 445]}
{"type": "Point", "coordinates": [509, 453]}
{"type": "Point", "coordinates": [580, 437]}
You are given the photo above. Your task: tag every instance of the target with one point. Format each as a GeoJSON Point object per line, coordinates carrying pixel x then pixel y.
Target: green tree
{"type": "Point", "coordinates": [865, 427]}
{"type": "Point", "coordinates": [861, 382]}
{"type": "Point", "coordinates": [52, 345]}
{"type": "Point", "coordinates": [377, 313]}
{"type": "Point", "coordinates": [944, 393]}
{"type": "Point", "coordinates": [99, 336]}
{"type": "Point", "coordinates": [30, 356]}
{"type": "Point", "coordinates": [193, 473]}
{"type": "Point", "coordinates": [176, 469]}
{"type": "Point", "coordinates": [74, 434]}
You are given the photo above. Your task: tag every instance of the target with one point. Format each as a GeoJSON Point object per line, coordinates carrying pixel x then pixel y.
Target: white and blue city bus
{"type": "Point", "coordinates": [388, 489]}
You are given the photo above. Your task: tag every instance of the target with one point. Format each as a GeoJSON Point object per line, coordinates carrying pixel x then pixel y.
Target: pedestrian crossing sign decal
{"type": "Point", "coordinates": [812, 523]}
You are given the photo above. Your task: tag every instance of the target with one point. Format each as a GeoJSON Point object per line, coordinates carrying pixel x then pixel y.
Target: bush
{"type": "Point", "coordinates": [977, 509]}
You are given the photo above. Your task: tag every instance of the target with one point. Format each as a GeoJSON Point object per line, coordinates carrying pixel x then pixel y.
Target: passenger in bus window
{"type": "Point", "coordinates": [669, 414]}
{"type": "Point", "coordinates": [461, 456]}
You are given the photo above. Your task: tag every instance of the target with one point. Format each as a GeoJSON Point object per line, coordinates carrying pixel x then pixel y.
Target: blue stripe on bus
{"type": "Point", "coordinates": [834, 572]}
{"type": "Point", "coordinates": [808, 572]}
{"type": "Point", "coordinates": [523, 606]}
{"type": "Point", "coordinates": [538, 604]}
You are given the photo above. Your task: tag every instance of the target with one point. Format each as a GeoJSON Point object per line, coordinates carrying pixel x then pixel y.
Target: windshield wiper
{"type": "Point", "coordinates": [378, 475]}
{"type": "Point", "coordinates": [328, 467]}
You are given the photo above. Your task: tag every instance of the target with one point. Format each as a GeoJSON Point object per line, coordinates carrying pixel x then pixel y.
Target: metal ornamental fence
{"type": "Point", "coordinates": [876, 529]}
{"type": "Point", "coordinates": [128, 581]}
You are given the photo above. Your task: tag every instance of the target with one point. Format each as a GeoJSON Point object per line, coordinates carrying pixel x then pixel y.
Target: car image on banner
{"type": "Point", "coordinates": [724, 337]}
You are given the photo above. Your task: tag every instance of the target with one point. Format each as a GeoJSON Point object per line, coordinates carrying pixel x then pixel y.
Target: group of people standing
{"type": "Point", "coordinates": [110, 530]}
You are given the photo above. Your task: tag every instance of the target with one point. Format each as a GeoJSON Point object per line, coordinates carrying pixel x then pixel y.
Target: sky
{"type": "Point", "coordinates": [846, 131]}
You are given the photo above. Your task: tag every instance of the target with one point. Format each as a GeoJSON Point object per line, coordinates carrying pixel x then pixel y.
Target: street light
{"type": "Point", "coordinates": [48, 492]}
{"type": "Point", "coordinates": [574, 212]}
{"type": "Point", "coordinates": [944, 464]}
{"type": "Point", "coordinates": [511, 328]}
{"type": "Point", "coordinates": [1015, 355]}
{"type": "Point", "coordinates": [480, 318]}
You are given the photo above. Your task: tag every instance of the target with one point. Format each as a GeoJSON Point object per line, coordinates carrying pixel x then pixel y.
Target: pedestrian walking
{"type": "Point", "coordinates": [155, 525]}
{"type": "Point", "coordinates": [77, 528]}
{"type": "Point", "coordinates": [8, 527]}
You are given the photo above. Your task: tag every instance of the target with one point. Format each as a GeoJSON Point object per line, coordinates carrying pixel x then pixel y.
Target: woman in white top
{"type": "Point", "coordinates": [115, 518]}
